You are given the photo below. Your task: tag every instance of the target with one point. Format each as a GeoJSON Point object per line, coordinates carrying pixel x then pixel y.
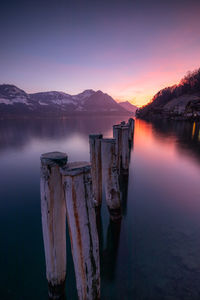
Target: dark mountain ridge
{"type": "Point", "coordinates": [15, 102]}
{"type": "Point", "coordinates": [180, 102]}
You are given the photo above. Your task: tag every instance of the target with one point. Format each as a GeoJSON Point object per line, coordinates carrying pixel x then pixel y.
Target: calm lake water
{"type": "Point", "coordinates": [154, 254]}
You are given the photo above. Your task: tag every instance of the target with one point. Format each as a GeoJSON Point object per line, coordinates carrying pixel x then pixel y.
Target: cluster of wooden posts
{"type": "Point", "coordinates": [74, 191]}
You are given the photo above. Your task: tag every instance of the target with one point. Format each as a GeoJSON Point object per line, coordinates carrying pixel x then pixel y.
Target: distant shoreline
{"type": "Point", "coordinates": [66, 116]}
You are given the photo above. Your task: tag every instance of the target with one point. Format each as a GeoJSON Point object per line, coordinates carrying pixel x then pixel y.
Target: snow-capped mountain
{"type": "Point", "coordinates": [14, 101]}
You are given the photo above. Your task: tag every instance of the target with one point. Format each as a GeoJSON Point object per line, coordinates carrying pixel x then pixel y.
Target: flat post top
{"type": "Point", "coordinates": [76, 168]}
{"type": "Point", "coordinates": [95, 136]}
{"type": "Point", "coordinates": [111, 141]}
{"type": "Point", "coordinates": [54, 158]}
{"type": "Point", "coordinates": [119, 126]}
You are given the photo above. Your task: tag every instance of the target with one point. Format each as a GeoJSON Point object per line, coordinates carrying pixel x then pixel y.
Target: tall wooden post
{"type": "Point", "coordinates": [82, 228]}
{"type": "Point", "coordinates": [125, 148]}
{"type": "Point", "coordinates": [53, 211]}
{"type": "Point", "coordinates": [96, 167]}
{"type": "Point", "coordinates": [111, 177]}
{"type": "Point", "coordinates": [131, 123]}
{"type": "Point", "coordinates": [117, 135]}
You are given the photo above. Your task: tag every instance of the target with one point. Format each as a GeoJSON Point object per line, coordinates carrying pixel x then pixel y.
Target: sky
{"type": "Point", "coordinates": [128, 49]}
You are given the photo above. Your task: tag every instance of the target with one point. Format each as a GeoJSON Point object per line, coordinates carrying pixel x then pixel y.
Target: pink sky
{"type": "Point", "coordinates": [129, 50]}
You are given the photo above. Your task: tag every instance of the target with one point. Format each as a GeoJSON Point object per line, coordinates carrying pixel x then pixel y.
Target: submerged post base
{"type": "Point", "coordinates": [115, 214]}
{"type": "Point", "coordinates": [56, 292]}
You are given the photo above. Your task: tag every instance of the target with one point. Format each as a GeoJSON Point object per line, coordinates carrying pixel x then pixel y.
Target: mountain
{"type": "Point", "coordinates": [15, 102]}
{"type": "Point", "coordinates": [128, 106]}
{"type": "Point", "coordinates": [179, 102]}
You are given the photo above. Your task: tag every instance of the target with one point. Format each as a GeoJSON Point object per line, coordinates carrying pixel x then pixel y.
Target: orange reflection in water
{"type": "Point", "coordinates": [151, 145]}
{"type": "Point", "coordinates": [193, 129]}
{"type": "Point", "coordinates": [171, 169]}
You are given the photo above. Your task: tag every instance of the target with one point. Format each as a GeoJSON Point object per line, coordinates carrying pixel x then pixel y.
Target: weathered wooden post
{"type": "Point", "coordinates": [53, 211]}
{"type": "Point", "coordinates": [111, 177]}
{"type": "Point", "coordinates": [131, 122]}
{"type": "Point", "coordinates": [96, 167]}
{"type": "Point", "coordinates": [125, 149]}
{"type": "Point", "coordinates": [82, 228]}
{"type": "Point", "coordinates": [117, 135]}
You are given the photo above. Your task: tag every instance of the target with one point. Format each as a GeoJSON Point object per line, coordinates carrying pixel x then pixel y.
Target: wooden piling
{"type": "Point", "coordinates": [117, 135]}
{"type": "Point", "coordinates": [96, 167]}
{"type": "Point", "coordinates": [82, 228]}
{"type": "Point", "coordinates": [125, 148]}
{"type": "Point", "coordinates": [111, 177]}
{"type": "Point", "coordinates": [131, 123]}
{"type": "Point", "coordinates": [53, 211]}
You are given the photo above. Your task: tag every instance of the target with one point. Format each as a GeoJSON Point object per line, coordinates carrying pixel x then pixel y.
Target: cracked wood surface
{"type": "Point", "coordinates": [96, 167]}
{"type": "Point", "coordinates": [111, 177]}
{"type": "Point", "coordinates": [82, 229]}
{"type": "Point", "coordinates": [53, 210]}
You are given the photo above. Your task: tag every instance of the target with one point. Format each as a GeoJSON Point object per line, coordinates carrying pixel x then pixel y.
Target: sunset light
{"type": "Point", "coordinates": [100, 150]}
{"type": "Point", "coordinates": [129, 50]}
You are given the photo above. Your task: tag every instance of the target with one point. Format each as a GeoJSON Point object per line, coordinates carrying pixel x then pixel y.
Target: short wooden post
{"type": "Point", "coordinates": [53, 211]}
{"type": "Point", "coordinates": [125, 148]}
{"type": "Point", "coordinates": [82, 228]}
{"type": "Point", "coordinates": [117, 135]}
{"type": "Point", "coordinates": [96, 167]}
{"type": "Point", "coordinates": [111, 177]}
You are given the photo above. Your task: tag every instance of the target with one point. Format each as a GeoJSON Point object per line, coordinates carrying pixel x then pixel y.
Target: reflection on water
{"type": "Point", "coordinates": [187, 134]}
{"type": "Point", "coordinates": [123, 183]}
{"type": "Point", "coordinates": [152, 254]}
{"type": "Point", "coordinates": [109, 254]}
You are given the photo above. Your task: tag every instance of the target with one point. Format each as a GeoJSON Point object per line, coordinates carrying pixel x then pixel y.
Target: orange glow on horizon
{"type": "Point", "coordinates": [158, 75]}
{"type": "Point", "coordinates": [151, 86]}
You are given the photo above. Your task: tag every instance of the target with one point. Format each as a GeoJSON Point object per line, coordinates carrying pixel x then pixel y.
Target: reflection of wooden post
{"type": "Point", "coordinates": [125, 148]}
{"type": "Point", "coordinates": [123, 183]}
{"type": "Point", "coordinates": [117, 134]}
{"type": "Point", "coordinates": [109, 257]}
{"type": "Point", "coordinates": [82, 228]}
{"type": "Point", "coordinates": [111, 177]}
{"type": "Point", "coordinates": [53, 221]}
{"type": "Point", "coordinates": [96, 168]}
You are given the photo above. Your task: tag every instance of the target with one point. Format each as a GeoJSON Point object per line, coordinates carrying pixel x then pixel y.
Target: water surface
{"type": "Point", "coordinates": [154, 253]}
